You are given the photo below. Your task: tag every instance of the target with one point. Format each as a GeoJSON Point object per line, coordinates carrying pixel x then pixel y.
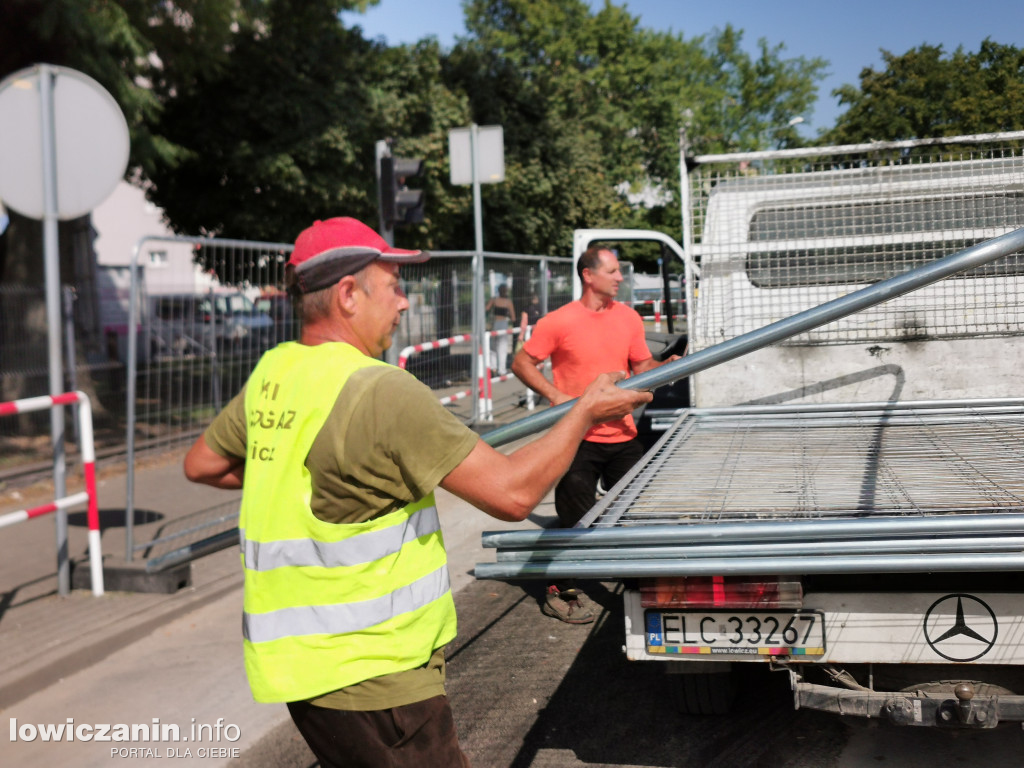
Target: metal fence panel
{"type": "Point", "coordinates": [440, 295]}
{"type": "Point", "coordinates": [201, 328]}
{"type": "Point", "coordinates": [781, 234]}
{"type": "Point", "coordinates": [177, 333]}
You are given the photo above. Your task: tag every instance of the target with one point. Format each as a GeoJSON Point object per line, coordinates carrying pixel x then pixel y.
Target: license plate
{"type": "Point", "coordinates": [742, 633]}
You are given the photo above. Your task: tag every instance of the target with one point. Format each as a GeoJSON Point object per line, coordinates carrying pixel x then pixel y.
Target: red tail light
{"type": "Point", "coordinates": [720, 592]}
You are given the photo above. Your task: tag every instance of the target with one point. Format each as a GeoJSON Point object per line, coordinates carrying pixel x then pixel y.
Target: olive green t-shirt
{"type": "Point", "coordinates": [387, 442]}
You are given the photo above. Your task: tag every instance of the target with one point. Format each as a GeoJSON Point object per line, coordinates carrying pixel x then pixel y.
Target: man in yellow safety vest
{"type": "Point", "coordinates": [347, 601]}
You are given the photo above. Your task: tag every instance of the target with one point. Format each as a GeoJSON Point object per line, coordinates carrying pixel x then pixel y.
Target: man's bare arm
{"type": "Point", "coordinates": [524, 366]}
{"type": "Point", "coordinates": [509, 487]}
{"type": "Point", "coordinates": [204, 465]}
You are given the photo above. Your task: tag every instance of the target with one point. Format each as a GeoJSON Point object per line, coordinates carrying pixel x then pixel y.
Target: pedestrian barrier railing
{"type": "Point", "coordinates": [455, 397]}
{"type": "Point", "coordinates": [413, 349]}
{"type": "Point", "coordinates": [656, 304]}
{"type": "Point", "coordinates": [88, 496]}
{"type": "Point", "coordinates": [488, 377]}
{"type": "Point", "coordinates": [491, 361]}
{"type": "Point", "coordinates": [405, 354]}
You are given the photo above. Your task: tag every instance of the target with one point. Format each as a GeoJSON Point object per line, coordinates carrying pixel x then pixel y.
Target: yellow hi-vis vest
{"type": "Point", "coordinates": [327, 605]}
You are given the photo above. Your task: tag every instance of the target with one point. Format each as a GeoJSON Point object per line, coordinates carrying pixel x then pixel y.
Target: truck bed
{"type": "Point", "coordinates": [856, 489]}
{"type": "Point", "coordinates": [826, 462]}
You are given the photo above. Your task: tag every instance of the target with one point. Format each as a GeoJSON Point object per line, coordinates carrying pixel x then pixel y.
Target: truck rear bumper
{"type": "Point", "coordinates": [907, 709]}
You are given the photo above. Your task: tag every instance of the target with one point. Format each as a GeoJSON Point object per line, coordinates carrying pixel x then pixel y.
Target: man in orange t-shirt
{"type": "Point", "coordinates": [584, 339]}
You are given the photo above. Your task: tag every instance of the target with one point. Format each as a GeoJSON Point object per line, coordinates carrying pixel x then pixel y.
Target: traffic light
{"type": "Point", "coordinates": [398, 203]}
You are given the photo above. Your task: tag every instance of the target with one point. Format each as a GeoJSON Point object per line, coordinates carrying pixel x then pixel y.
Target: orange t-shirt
{"type": "Point", "coordinates": [583, 344]}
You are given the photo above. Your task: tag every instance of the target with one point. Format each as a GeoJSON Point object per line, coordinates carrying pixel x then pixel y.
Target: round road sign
{"type": "Point", "coordinates": [90, 139]}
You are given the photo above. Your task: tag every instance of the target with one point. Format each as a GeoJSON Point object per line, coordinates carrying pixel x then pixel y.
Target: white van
{"type": "Point", "coordinates": [203, 323]}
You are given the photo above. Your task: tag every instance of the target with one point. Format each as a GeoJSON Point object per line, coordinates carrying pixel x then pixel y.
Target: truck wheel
{"type": "Point", "coordinates": [706, 693]}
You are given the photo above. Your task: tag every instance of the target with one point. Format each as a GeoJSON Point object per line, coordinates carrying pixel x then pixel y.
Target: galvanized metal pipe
{"type": "Point", "coordinates": [784, 530]}
{"type": "Point", "coordinates": [876, 407]}
{"type": "Point", "coordinates": [751, 566]}
{"type": "Point", "coordinates": [969, 258]}
{"type": "Point", "coordinates": [192, 551]}
{"type": "Point", "coordinates": [997, 543]}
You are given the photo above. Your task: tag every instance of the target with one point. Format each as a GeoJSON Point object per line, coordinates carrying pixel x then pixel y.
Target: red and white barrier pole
{"type": "Point", "coordinates": [484, 382]}
{"type": "Point", "coordinates": [457, 396]}
{"type": "Point", "coordinates": [405, 354]}
{"type": "Point", "coordinates": [482, 366]}
{"type": "Point", "coordinates": [89, 469]}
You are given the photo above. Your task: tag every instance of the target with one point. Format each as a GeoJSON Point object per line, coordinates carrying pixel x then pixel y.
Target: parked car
{"type": "Point", "coordinates": [197, 324]}
{"type": "Point", "coordinates": [278, 306]}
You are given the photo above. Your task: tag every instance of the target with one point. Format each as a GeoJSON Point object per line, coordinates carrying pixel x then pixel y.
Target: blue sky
{"type": "Point", "coordinates": [849, 36]}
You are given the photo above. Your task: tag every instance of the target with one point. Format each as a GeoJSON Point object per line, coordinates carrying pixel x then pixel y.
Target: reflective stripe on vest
{"type": "Point", "coordinates": [344, 617]}
{"type": "Point", "coordinates": [364, 548]}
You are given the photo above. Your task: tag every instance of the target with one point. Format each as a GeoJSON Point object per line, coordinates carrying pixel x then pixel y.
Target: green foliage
{"type": "Point", "coordinates": [747, 105]}
{"type": "Point", "coordinates": [592, 107]}
{"type": "Point", "coordinates": [416, 110]}
{"type": "Point", "coordinates": [107, 41]}
{"type": "Point", "coordinates": [277, 137]}
{"type": "Point", "coordinates": [250, 118]}
{"type": "Point", "coordinates": [925, 93]}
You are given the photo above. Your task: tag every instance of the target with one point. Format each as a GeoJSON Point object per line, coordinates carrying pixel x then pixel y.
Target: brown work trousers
{"type": "Point", "coordinates": [420, 735]}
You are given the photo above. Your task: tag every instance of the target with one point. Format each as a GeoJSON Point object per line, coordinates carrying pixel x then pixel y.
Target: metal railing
{"type": "Point", "coordinates": [199, 330]}
{"type": "Point", "coordinates": [61, 505]}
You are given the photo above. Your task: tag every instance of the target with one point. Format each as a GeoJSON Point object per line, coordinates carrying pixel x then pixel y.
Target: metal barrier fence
{"type": "Point", "coordinates": [461, 344]}
{"type": "Point", "coordinates": [88, 496]}
{"type": "Point", "coordinates": [777, 233]}
{"type": "Point", "coordinates": [442, 295]}
{"type": "Point", "coordinates": [193, 316]}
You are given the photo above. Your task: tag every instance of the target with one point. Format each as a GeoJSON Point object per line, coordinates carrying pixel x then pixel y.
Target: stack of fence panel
{"type": "Point", "coordinates": [851, 488]}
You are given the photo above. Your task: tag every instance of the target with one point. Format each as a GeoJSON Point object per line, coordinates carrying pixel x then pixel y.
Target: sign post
{"type": "Point", "coordinates": [477, 156]}
{"type": "Point", "coordinates": [63, 148]}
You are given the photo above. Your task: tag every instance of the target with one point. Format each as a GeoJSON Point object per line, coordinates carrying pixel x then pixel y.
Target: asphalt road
{"type": "Point", "coordinates": [532, 692]}
{"type": "Point", "coordinates": [527, 691]}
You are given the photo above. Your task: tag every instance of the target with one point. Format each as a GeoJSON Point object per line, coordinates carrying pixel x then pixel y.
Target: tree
{"type": "Point", "coordinates": [416, 110]}
{"type": "Point", "coordinates": [235, 129]}
{"type": "Point", "coordinates": [277, 137]}
{"type": "Point", "coordinates": [106, 41]}
{"type": "Point", "coordinates": [924, 93]}
{"type": "Point", "coordinates": [285, 132]}
{"type": "Point", "coordinates": [748, 104]}
{"type": "Point", "coordinates": [592, 105]}
{"type": "Point", "coordinates": [149, 55]}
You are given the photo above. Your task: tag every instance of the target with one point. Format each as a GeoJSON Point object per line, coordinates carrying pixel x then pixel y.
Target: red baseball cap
{"type": "Point", "coordinates": [329, 250]}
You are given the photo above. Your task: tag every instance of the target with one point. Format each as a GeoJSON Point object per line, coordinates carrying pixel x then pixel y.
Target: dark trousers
{"type": "Point", "coordinates": [420, 735]}
{"type": "Point", "coordinates": [608, 462]}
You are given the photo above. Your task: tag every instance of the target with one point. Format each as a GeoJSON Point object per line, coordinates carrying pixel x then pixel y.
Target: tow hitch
{"type": "Point", "coordinates": [965, 711]}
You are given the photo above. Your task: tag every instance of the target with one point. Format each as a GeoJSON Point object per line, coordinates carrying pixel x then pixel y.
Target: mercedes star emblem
{"type": "Point", "coordinates": [960, 627]}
